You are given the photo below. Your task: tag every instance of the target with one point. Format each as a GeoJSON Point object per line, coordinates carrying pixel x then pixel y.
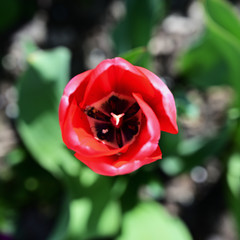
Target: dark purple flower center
{"type": "Point", "coordinates": [115, 120]}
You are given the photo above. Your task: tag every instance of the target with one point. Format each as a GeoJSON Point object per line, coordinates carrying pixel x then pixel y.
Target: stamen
{"type": "Point", "coordinates": [96, 114]}
{"type": "Point", "coordinates": [130, 128]}
{"type": "Point", "coordinates": [132, 111]}
{"type": "Point", "coordinates": [119, 138]}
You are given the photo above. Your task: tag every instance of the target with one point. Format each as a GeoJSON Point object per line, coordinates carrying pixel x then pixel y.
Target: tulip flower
{"type": "Point", "coordinates": [112, 116]}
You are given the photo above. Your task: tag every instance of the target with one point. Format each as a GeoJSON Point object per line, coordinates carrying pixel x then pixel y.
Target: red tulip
{"type": "Point", "coordinates": [112, 116]}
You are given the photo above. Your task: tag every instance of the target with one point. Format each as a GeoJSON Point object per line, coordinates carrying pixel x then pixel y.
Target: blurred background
{"type": "Point", "coordinates": [193, 193]}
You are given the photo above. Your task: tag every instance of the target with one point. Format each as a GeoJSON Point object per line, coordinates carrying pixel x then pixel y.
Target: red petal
{"type": "Point", "coordinates": [76, 132]}
{"type": "Point", "coordinates": [125, 167]}
{"type": "Point", "coordinates": [101, 165]}
{"type": "Point", "coordinates": [116, 75]}
{"type": "Point", "coordinates": [148, 138]}
{"type": "Point", "coordinates": [78, 82]}
{"type": "Point", "coordinates": [112, 166]}
{"type": "Point", "coordinates": [163, 103]}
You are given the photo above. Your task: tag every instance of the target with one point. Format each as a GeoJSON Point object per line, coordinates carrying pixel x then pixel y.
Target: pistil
{"type": "Point", "coordinates": [117, 120]}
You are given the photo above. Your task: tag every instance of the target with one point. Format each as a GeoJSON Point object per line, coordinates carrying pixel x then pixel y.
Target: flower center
{"type": "Point", "coordinates": [114, 120]}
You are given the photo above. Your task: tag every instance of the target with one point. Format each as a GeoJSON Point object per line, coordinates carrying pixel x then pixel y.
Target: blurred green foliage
{"type": "Point", "coordinates": [40, 88]}
{"type": "Point", "coordinates": [92, 200]}
{"type": "Point", "coordinates": [13, 11]}
{"type": "Point", "coordinates": [97, 207]}
{"type": "Point", "coordinates": [233, 181]}
{"type": "Point", "coordinates": [135, 29]}
{"type": "Point", "coordinates": [214, 60]}
{"type": "Point", "coordinates": [149, 220]}
{"type": "Point", "coordinates": [46, 74]}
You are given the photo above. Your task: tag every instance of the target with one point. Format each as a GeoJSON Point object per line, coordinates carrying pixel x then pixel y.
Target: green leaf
{"type": "Point", "coordinates": [169, 142]}
{"type": "Point", "coordinates": [227, 38]}
{"type": "Point", "coordinates": [196, 151]}
{"type": "Point", "coordinates": [233, 175]}
{"type": "Point", "coordinates": [203, 64]}
{"type": "Point", "coordinates": [224, 16]}
{"type": "Point", "coordinates": [16, 156]}
{"type": "Point", "coordinates": [96, 213]}
{"type": "Point", "coordinates": [87, 217]}
{"type": "Point", "coordinates": [135, 55]}
{"type": "Point", "coordinates": [40, 90]}
{"type": "Point", "coordinates": [184, 154]}
{"type": "Point", "coordinates": [110, 220]}
{"type": "Point", "coordinates": [81, 211]}
{"type": "Point", "coordinates": [149, 220]}
{"type": "Point", "coordinates": [233, 180]}
{"type": "Point", "coordinates": [214, 58]}
{"type": "Point", "coordinates": [135, 29]}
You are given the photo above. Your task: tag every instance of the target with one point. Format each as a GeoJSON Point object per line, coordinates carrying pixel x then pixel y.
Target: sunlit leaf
{"type": "Point", "coordinates": [80, 210]}
{"type": "Point", "coordinates": [233, 176]}
{"type": "Point", "coordinates": [40, 89]}
{"type": "Point", "coordinates": [225, 16]}
{"type": "Point", "coordinates": [110, 219]}
{"type": "Point", "coordinates": [95, 214]}
{"type": "Point", "coordinates": [226, 34]}
{"type": "Point", "coordinates": [233, 180]}
{"type": "Point", "coordinates": [213, 59]}
{"type": "Point", "coordinates": [203, 64]}
{"type": "Point", "coordinates": [149, 220]}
